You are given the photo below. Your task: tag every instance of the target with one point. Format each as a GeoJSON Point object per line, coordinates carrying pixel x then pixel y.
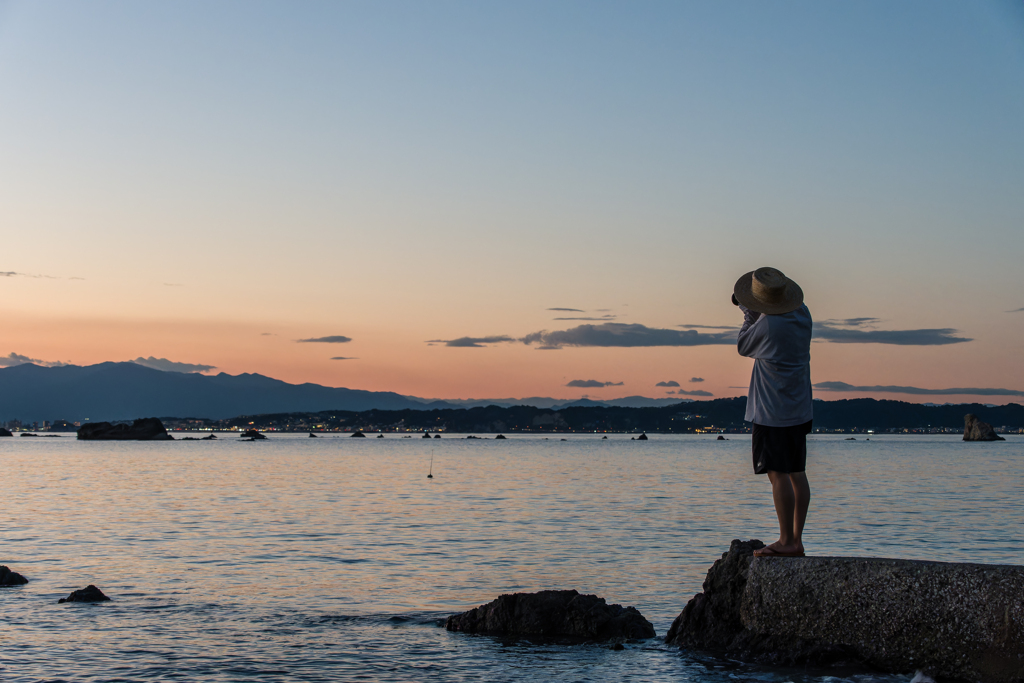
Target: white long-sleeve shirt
{"type": "Point", "coordinates": [780, 385]}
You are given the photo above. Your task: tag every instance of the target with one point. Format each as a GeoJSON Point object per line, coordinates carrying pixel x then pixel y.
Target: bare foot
{"type": "Point", "coordinates": [779, 549]}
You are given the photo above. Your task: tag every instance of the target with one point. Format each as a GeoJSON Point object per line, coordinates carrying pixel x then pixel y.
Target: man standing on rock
{"type": "Point", "coordinates": [776, 333]}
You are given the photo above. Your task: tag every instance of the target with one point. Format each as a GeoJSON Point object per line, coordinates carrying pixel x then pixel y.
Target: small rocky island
{"type": "Point", "coordinates": [976, 430]}
{"type": "Point", "coordinates": [951, 621]}
{"type": "Point", "coordinates": [553, 615]}
{"type": "Point", "coordinates": [144, 429]}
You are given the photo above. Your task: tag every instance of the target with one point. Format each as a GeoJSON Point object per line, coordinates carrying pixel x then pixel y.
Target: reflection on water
{"type": "Point", "coordinates": [334, 558]}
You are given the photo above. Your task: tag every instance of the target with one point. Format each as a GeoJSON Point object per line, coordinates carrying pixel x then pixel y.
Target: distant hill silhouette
{"type": "Point", "coordinates": [124, 391]}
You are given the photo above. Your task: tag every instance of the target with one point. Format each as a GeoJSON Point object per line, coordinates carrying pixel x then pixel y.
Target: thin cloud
{"type": "Point", "coordinates": [12, 359]}
{"type": "Point", "coordinates": [1016, 310]}
{"type": "Point", "coordinates": [172, 366]}
{"type": "Point", "coordinates": [473, 342]}
{"type": "Point", "coordinates": [603, 318]}
{"type": "Point", "coordinates": [624, 335]}
{"type": "Point", "coordinates": [591, 384]}
{"type": "Point", "coordinates": [693, 392]}
{"type": "Point", "coordinates": [173, 284]}
{"type": "Point", "coordinates": [333, 339]}
{"type": "Point", "coordinates": [11, 273]}
{"type": "Point", "coordinates": [832, 332]}
{"type": "Point", "coordinates": [852, 322]}
{"type": "Point", "coordinates": [708, 327]}
{"type": "Point", "coordinates": [568, 310]}
{"type": "Point", "coordinates": [343, 358]}
{"type": "Point", "coordinates": [961, 391]}
{"type": "Point", "coordinates": [670, 383]}
{"type": "Point", "coordinates": [696, 379]}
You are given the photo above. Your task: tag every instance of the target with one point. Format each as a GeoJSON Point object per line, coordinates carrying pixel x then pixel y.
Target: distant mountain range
{"type": "Point", "coordinates": [124, 391]}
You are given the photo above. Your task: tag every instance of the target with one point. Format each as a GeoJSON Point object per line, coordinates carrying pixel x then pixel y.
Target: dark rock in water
{"type": "Point", "coordinates": [553, 614]}
{"type": "Point", "coordinates": [437, 436]}
{"type": "Point", "coordinates": [312, 435]}
{"type": "Point", "coordinates": [720, 438]}
{"type": "Point", "coordinates": [426, 435]}
{"type": "Point", "coordinates": [9, 578]}
{"type": "Point", "coordinates": [380, 436]}
{"type": "Point", "coordinates": [500, 436]}
{"type": "Point", "coordinates": [358, 435]}
{"type": "Point", "coordinates": [144, 429]}
{"type": "Point", "coordinates": [711, 620]}
{"type": "Point", "coordinates": [27, 434]}
{"type": "Point", "coordinates": [211, 437]}
{"type": "Point", "coordinates": [472, 437]}
{"type": "Point", "coordinates": [88, 594]}
{"type": "Point", "coordinates": [947, 620]}
{"type": "Point", "coordinates": [850, 438]}
{"type": "Point", "coordinates": [976, 430]}
{"type": "Point", "coordinates": [604, 437]}
{"type": "Point", "coordinates": [642, 437]}
{"type": "Point", "coordinates": [5, 432]}
{"type": "Point", "coordinates": [253, 434]}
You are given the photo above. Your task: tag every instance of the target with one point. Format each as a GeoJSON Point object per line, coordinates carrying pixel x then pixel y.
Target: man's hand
{"type": "Point", "coordinates": [749, 317]}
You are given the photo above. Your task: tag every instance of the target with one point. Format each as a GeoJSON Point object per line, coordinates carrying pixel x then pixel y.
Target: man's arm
{"type": "Point", "coordinates": [752, 336]}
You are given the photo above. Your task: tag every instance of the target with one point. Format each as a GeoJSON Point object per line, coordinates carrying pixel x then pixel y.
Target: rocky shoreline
{"type": "Point", "coordinates": [947, 620]}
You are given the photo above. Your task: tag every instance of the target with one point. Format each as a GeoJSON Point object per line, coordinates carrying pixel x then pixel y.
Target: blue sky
{"type": "Point", "coordinates": [401, 172]}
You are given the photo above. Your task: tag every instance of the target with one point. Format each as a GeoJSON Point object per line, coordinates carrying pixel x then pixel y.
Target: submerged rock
{"type": "Point", "coordinates": [88, 594]}
{"type": "Point", "coordinates": [947, 620]}
{"type": "Point", "coordinates": [553, 614]}
{"type": "Point", "coordinates": [976, 430]}
{"type": "Point", "coordinates": [11, 578]}
{"type": "Point", "coordinates": [143, 429]}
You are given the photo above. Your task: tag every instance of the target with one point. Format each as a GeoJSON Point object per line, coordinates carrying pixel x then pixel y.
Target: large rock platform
{"type": "Point", "coordinates": [953, 621]}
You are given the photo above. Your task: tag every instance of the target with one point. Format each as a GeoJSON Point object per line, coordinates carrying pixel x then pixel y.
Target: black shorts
{"type": "Point", "coordinates": [780, 449]}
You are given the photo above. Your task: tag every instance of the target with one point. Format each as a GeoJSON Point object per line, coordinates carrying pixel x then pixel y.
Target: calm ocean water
{"type": "Point", "coordinates": [298, 559]}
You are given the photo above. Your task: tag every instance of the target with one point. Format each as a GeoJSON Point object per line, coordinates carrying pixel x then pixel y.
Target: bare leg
{"type": "Point", "coordinates": [802, 494]}
{"type": "Point", "coordinates": [792, 495]}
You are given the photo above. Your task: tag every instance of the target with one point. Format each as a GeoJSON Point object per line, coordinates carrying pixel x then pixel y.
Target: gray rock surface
{"type": "Point", "coordinates": [88, 594]}
{"type": "Point", "coordinates": [976, 430]}
{"type": "Point", "coordinates": [11, 578]}
{"type": "Point", "coordinates": [144, 429]}
{"type": "Point", "coordinates": [953, 621]}
{"type": "Point", "coordinates": [555, 615]}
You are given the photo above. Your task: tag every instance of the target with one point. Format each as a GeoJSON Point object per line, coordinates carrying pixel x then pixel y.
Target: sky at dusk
{"type": "Point", "coordinates": [487, 200]}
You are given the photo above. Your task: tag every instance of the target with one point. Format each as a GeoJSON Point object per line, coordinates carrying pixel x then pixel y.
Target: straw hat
{"type": "Point", "coordinates": [767, 290]}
